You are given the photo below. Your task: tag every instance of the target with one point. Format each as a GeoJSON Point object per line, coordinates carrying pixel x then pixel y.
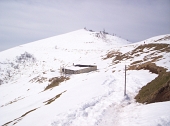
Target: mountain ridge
{"type": "Point", "coordinates": [83, 99]}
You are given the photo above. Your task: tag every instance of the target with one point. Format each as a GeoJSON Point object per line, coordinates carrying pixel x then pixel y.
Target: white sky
{"type": "Point", "coordinates": [26, 21]}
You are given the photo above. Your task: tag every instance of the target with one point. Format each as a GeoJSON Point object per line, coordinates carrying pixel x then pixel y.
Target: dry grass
{"type": "Point", "coordinates": [15, 121]}
{"type": "Point", "coordinates": [112, 54]}
{"type": "Point", "coordinates": [13, 101]}
{"type": "Point", "coordinates": [56, 81]}
{"type": "Point", "coordinates": [157, 48]}
{"type": "Point", "coordinates": [165, 38]}
{"type": "Point", "coordinates": [28, 112]}
{"type": "Point", "coordinates": [38, 79]}
{"type": "Point", "coordinates": [137, 62]}
{"type": "Point", "coordinates": [148, 66]}
{"type": "Point", "coordinates": [152, 47]}
{"type": "Point", "coordinates": [152, 58]}
{"type": "Point", "coordinates": [158, 89]}
{"type": "Point", "coordinates": [53, 99]}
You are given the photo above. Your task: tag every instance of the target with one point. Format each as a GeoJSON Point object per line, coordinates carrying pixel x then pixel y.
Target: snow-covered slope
{"type": "Point", "coordinates": [89, 99]}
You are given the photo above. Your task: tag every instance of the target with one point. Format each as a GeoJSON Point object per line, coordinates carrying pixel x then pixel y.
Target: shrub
{"type": "Point", "coordinates": [25, 57]}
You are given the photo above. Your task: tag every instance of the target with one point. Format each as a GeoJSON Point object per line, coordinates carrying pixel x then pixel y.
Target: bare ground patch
{"type": "Point", "coordinates": [38, 79]}
{"type": "Point", "coordinates": [55, 81]}
{"type": "Point", "coordinates": [13, 101]}
{"type": "Point", "coordinates": [164, 38]}
{"type": "Point", "coordinates": [112, 54]}
{"type": "Point", "coordinates": [157, 90]}
{"type": "Point", "coordinates": [145, 48]}
{"type": "Point", "coordinates": [147, 66]}
{"type": "Point", "coordinates": [53, 99]}
{"type": "Point", "coordinates": [15, 121]}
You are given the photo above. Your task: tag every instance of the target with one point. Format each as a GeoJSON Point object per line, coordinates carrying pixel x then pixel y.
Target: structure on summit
{"type": "Point", "coordinates": [78, 69]}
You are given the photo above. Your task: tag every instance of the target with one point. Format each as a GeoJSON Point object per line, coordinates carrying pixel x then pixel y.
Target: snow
{"type": "Point", "coordinates": [89, 99]}
{"type": "Point", "coordinates": [156, 114]}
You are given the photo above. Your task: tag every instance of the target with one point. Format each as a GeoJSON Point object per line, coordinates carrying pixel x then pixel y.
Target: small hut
{"type": "Point", "coordinates": [78, 69]}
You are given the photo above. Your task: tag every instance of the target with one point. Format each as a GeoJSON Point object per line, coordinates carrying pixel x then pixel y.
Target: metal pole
{"type": "Point", "coordinates": [125, 82]}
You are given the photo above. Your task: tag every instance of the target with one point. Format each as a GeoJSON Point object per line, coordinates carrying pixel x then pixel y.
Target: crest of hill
{"type": "Point", "coordinates": [157, 39]}
{"type": "Point", "coordinates": [80, 39]}
{"type": "Point", "coordinates": [32, 87]}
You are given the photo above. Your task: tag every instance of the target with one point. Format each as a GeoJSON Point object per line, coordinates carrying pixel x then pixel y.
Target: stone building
{"type": "Point", "coordinates": [78, 69]}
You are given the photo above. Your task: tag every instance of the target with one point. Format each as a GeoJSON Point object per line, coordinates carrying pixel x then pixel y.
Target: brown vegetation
{"type": "Point", "coordinates": [157, 48]}
{"type": "Point", "coordinates": [38, 79]}
{"type": "Point", "coordinates": [148, 66]}
{"type": "Point", "coordinates": [165, 38]}
{"type": "Point", "coordinates": [55, 81]}
{"type": "Point", "coordinates": [13, 101]}
{"type": "Point", "coordinates": [15, 121]}
{"type": "Point", "coordinates": [53, 99]}
{"type": "Point", "coordinates": [111, 54]}
{"type": "Point", "coordinates": [157, 90]}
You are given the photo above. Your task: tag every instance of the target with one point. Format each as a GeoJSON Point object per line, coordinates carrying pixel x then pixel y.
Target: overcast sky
{"type": "Point", "coordinates": [30, 20]}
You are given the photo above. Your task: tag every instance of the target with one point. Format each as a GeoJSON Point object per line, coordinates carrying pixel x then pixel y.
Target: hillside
{"type": "Point", "coordinates": [34, 92]}
{"type": "Point", "coordinates": [150, 56]}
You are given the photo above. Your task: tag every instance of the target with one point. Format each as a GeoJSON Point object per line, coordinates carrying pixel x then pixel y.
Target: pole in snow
{"type": "Point", "coordinates": [125, 82]}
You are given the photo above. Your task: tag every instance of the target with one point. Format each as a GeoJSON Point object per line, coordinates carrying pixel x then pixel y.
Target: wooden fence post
{"type": "Point", "coordinates": [125, 82]}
